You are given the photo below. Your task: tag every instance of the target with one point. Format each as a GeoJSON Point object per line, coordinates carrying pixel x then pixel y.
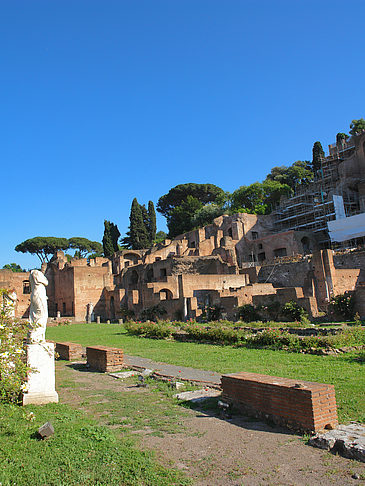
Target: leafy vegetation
{"type": "Point", "coordinates": [357, 126]}
{"type": "Point", "coordinates": [318, 156]}
{"type": "Point", "coordinates": [110, 238]}
{"type": "Point", "coordinates": [14, 267]}
{"type": "Point", "coordinates": [43, 246]}
{"type": "Point", "coordinates": [142, 226]}
{"type": "Point", "coordinates": [13, 369]}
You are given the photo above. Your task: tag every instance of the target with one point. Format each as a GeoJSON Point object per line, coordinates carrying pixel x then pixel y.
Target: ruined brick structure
{"type": "Point", "coordinates": [236, 260]}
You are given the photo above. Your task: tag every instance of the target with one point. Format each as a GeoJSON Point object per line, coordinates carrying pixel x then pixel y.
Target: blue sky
{"type": "Point", "coordinates": [103, 101]}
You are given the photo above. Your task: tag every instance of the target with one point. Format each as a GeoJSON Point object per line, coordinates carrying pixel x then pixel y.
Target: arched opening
{"type": "Point", "coordinates": [149, 275]}
{"type": "Point", "coordinates": [280, 252]}
{"type": "Point", "coordinates": [130, 259]}
{"type": "Point", "coordinates": [134, 277]}
{"type": "Point", "coordinates": [26, 287]}
{"type": "Point", "coordinates": [305, 241]}
{"type": "Point", "coordinates": [165, 294]}
{"type": "Point", "coordinates": [112, 308]}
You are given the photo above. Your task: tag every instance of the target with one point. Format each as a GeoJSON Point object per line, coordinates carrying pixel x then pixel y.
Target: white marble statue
{"type": "Point", "coordinates": [38, 307]}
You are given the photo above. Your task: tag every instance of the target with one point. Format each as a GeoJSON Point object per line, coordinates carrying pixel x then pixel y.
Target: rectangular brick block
{"type": "Point", "coordinates": [299, 405]}
{"type": "Point", "coordinates": [69, 351]}
{"type": "Point", "coordinates": [105, 359]}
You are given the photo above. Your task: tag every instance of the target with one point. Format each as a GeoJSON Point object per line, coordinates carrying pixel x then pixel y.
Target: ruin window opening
{"type": "Point", "coordinates": [255, 235]}
{"type": "Point", "coordinates": [165, 294]}
{"type": "Point", "coordinates": [163, 272]}
{"type": "Point", "coordinates": [26, 287]}
{"type": "Point", "coordinates": [230, 232]}
{"type": "Point", "coordinates": [191, 244]}
{"type": "Point", "coordinates": [280, 252]}
{"type": "Point", "coordinates": [260, 246]}
{"type": "Point", "coordinates": [64, 308]}
{"type": "Point", "coordinates": [261, 257]}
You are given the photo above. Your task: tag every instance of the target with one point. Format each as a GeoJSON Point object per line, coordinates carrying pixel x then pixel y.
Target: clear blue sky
{"type": "Point", "coordinates": [103, 101]}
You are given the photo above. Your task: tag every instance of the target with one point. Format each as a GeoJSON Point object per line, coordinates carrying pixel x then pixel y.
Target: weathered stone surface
{"type": "Point", "coordinates": [347, 440]}
{"type": "Point", "coordinates": [41, 380]}
{"type": "Point", "coordinates": [197, 396]}
{"type": "Point", "coordinates": [124, 374]}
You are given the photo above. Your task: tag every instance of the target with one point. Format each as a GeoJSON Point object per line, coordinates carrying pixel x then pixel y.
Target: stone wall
{"type": "Point", "coordinates": [18, 281]}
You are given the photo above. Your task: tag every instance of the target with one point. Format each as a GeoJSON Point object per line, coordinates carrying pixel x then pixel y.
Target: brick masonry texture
{"type": "Point", "coordinates": [102, 358]}
{"type": "Point", "coordinates": [69, 351]}
{"type": "Point", "coordinates": [299, 405]}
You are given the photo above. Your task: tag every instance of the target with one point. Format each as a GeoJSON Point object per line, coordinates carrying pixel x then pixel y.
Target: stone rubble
{"type": "Point", "coordinates": [198, 396]}
{"type": "Point", "coordinates": [347, 440]}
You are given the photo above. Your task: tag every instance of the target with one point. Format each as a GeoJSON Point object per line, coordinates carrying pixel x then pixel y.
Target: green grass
{"type": "Point", "coordinates": [345, 372]}
{"type": "Point", "coordinates": [81, 452]}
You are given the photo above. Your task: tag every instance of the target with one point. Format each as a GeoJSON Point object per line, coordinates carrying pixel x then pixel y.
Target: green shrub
{"type": "Point", "coordinates": [150, 329]}
{"type": "Point", "coordinates": [153, 313]}
{"type": "Point", "coordinates": [342, 306]}
{"type": "Point", "coordinates": [248, 313]}
{"type": "Point", "coordinates": [13, 368]}
{"type": "Point", "coordinates": [293, 311]}
{"type": "Point", "coordinates": [215, 334]}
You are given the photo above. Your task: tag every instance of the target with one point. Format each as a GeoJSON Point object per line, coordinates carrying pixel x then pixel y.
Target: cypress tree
{"type": "Point", "coordinates": [108, 247]}
{"type": "Point", "coordinates": [138, 235]}
{"type": "Point", "coordinates": [152, 228]}
{"type": "Point", "coordinates": [318, 155]}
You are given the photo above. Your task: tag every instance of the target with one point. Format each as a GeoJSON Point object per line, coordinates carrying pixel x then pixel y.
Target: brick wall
{"type": "Point", "coordinates": [69, 351]}
{"type": "Point", "coordinates": [17, 280]}
{"type": "Point", "coordinates": [300, 405]}
{"type": "Point", "coordinates": [102, 358]}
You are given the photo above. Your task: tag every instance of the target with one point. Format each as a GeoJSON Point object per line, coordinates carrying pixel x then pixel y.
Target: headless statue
{"type": "Point", "coordinates": [38, 315]}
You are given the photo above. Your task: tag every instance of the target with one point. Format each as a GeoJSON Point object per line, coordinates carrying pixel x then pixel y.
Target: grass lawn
{"type": "Point", "coordinates": [81, 452]}
{"type": "Point", "coordinates": [343, 371]}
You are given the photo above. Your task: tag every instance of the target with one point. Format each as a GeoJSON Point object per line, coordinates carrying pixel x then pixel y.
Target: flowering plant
{"type": "Point", "coordinates": [13, 368]}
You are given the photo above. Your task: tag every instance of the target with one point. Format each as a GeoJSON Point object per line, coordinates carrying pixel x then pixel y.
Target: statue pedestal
{"type": "Point", "coordinates": [41, 380]}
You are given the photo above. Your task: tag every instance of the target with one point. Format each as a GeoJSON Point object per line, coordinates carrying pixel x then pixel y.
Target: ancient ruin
{"type": "Point", "coordinates": [236, 260]}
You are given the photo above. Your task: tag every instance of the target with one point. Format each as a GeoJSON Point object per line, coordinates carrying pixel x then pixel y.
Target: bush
{"type": "Point", "coordinates": [248, 313]}
{"type": "Point", "coordinates": [153, 313]}
{"type": "Point", "coordinates": [342, 306]}
{"type": "Point", "coordinates": [150, 329]}
{"type": "Point", "coordinates": [293, 311]}
{"type": "Point", "coordinates": [13, 368]}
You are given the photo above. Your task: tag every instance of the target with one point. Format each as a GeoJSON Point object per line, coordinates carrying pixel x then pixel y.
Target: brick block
{"type": "Point", "coordinates": [69, 351]}
{"type": "Point", "coordinates": [102, 358]}
{"type": "Point", "coordinates": [299, 405]}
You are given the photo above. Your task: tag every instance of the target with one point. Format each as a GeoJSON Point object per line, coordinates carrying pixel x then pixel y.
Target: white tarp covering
{"type": "Point", "coordinates": [347, 228]}
{"type": "Point", "coordinates": [339, 207]}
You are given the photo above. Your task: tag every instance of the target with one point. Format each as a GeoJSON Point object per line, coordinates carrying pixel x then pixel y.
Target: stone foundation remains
{"type": "Point", "coordinates": [69, 351]}
{"type": "Point", "coordinates": [299, 405]}
{"type": "Point", "coordinates": [104, 359]}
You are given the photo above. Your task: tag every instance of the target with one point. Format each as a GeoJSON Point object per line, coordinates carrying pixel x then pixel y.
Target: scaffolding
{"type": "Point", "coordinates": [312, 206]}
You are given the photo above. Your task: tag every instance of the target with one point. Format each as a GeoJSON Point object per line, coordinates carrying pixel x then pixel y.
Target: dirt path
{"type": "Point", "coordinates": [210, 450]}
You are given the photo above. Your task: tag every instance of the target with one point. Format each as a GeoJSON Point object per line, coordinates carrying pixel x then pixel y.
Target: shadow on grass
{"type": "Point", "coordinates": [357, 358]}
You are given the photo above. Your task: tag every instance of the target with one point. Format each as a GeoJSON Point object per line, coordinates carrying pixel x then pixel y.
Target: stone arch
{"type": "Point", "coordinates": [165, 294]}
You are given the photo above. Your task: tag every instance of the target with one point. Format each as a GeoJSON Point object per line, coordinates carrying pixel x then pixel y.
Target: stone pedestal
{"type": "Point", "coordinates": [41, 380]}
